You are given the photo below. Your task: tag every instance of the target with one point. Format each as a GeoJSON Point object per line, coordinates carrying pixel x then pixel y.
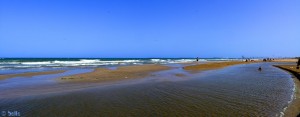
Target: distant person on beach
{"type": "Point", "coordinates": [197, 59]}
{"type": "Point", "coordinates": [259, 69]}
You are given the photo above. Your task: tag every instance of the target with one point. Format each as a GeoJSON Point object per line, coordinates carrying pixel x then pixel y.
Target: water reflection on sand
{"type": "Point", "coordinates": [238, 90]}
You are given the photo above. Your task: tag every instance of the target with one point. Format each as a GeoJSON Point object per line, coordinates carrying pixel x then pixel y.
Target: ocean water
{"type": "Point", "coordinates": [13, 63]}
{"type": "Point", "coordinates": [22, 65]}
{"type": "Point", "coordinates": [239, 90]}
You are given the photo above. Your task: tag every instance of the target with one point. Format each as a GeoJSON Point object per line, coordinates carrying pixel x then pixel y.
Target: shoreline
{"type": "Point", "coordinates": [293, 108]}
{"type": "Point", "coordinates": [127, 72]}
{"type": "Point", "coordinates": [92, 79]}
{"type": "Point", "coordinates": [30, 74]}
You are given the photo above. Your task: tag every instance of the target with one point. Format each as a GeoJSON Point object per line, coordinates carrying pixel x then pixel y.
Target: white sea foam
{"type": "Point", "coordinates": [10, 63]}
{"type": "Point", "coordinates": [26, 66]}
{"type": "Point", "coordinates": [36, 63]}
{"type": "Point", "coordinates": [157, 60]}
{"type": "Point", "coordinates": [293, 96]}
{"type": "Point", "coordinates": [184, 60]}
{"type": "Point", "coordinates": [131, 61]}
{"type": "Point", "coordinates": [94, 62]}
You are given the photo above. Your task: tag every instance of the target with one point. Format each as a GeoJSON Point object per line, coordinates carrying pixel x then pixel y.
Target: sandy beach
{"type": "Point", "coordinates": [141, 71]}
{"type": "Point", "coordinates": [206, 92]}
{"type": "Point", "coordinates": [121, 73]}
{"type": "Point", "coordinates": [214, 65]}
{"type": "Point", "coordinates": [285, 60]}
{"type": "Point", "coordinates": [30, 74]}
{"type": "Point", "coordinates": [294, 108]}
{"type": "Point", "coordinates": [216, 85]}
{"type": "Point", "coordinates": [125, 72]}
{"type": "Point", "coordinates": [217, 65]}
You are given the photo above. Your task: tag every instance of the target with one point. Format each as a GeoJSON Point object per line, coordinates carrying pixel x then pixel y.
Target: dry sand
{"type": "Point", "coordinates": [285, 60]}
{"type": "Point", "coordinates": [217, 65]}
{"type": "Point", "coordinates": [294, 108]}
{"type": "Point", "coordinates": [214, 65]}
{"type": "Point", "coordinates": [29, 74]}
{"type": "Point", "coordinates": [124, 72]}
{"type": "Point", "coordinates": [291, 68]}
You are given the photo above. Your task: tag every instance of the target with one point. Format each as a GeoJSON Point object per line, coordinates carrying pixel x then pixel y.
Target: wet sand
{"type": "Point", "coordinates": [121, 73]}
{"type": "Point", "coordinates": [214, 65]}
{"type": "Point", "coordinates": [222, 92]}
{"type": "Point", "coordinates": [30, 74]}
{"type": "Point", "coordinates": [218, 65]}
{"type": "Point", "coordinates": [285, 60]}
{"type": "Point", "coordinates": [294, 108]}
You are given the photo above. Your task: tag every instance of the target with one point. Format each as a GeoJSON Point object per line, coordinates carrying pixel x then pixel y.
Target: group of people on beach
{"type": "Point", "coordinates": [268, 59]}
{"type": "Point", "coordinates": [248, 60]}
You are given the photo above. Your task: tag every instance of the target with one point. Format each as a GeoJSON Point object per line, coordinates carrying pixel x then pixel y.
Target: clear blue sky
{"type": "Point", "coordinates": [149, 28]}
